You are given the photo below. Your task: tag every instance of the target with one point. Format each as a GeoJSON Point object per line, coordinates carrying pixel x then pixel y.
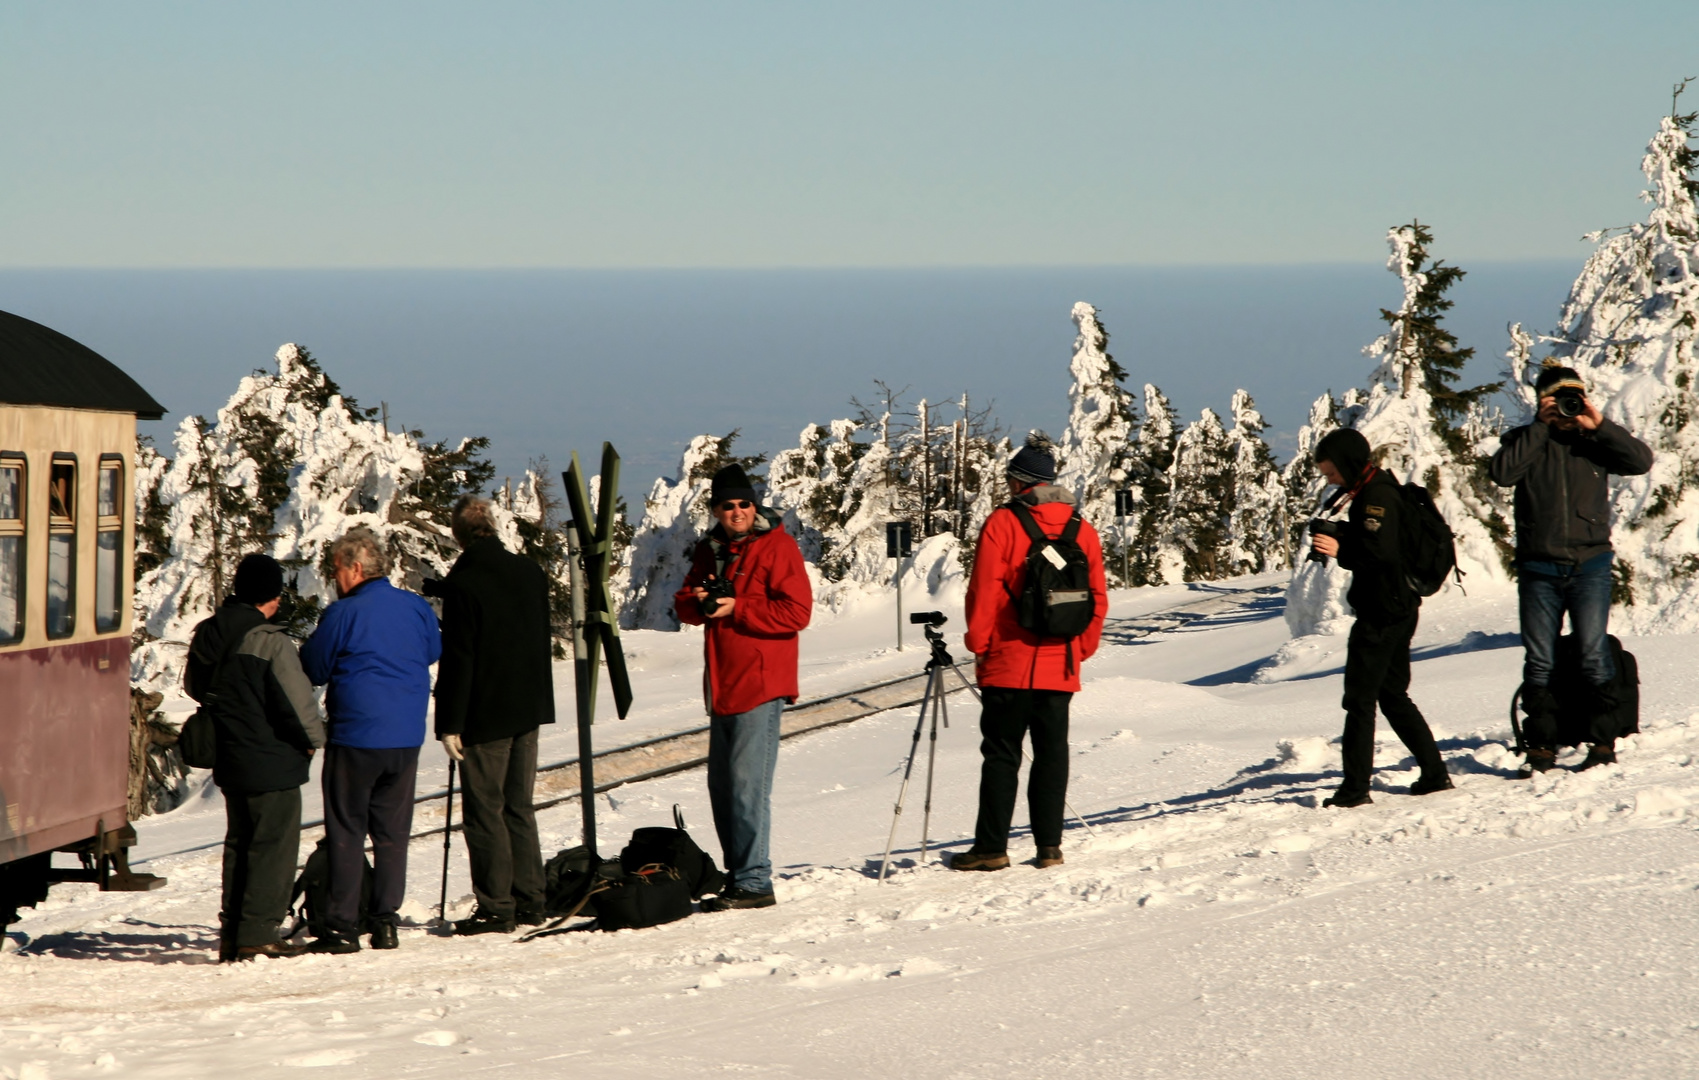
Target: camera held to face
{"type": "Point", "coordinates": [1322, 527]}
{"type": "Point", "coordinates": [718, 589]}
{"type": "Point", "coordinates": [1569, 401]}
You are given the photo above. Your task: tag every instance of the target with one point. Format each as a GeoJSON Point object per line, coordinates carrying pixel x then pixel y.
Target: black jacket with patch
{"type": "Point", "coordinates": [1368, 547]}
{"type": "Point", "coordinates": [246, 674]}
{"type": "Point", "coordinates": [1562, 481]}
{"type": "Point", "coordinates": [496, 679]}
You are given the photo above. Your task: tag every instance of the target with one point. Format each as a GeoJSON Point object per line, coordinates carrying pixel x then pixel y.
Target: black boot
{"type": "Point", "coordinates": [1599, 754]}
{"type": "Point", "coordinates": [1538, 760]}
{"type": "Point", "coordinates": [1428, 783]}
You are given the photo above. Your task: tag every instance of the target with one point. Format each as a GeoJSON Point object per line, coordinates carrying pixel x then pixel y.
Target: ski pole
{"type": "Point", "coordinates": [447, 835]}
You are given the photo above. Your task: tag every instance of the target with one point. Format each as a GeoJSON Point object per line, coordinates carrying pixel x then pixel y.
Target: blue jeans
{"type": "Point", "coordinates": [1546, 591]}
{"type": "Point", "coordinates": [743, 750]}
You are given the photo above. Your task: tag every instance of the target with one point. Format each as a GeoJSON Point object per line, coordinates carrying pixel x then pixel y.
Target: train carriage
{"type": "Point", "coordinates": [67, 530]}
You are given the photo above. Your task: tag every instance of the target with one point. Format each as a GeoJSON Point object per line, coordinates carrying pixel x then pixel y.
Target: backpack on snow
{"type": "Point", "coordinates": [1428, 545]}
{"type": "Point", "coordinates": [1056, 601]}
{"type": "Point", "coordinates": [311, 897]}
{"type": "Point", "coordinates": [654, 881]}
{"type": "Point", "coordinates": [1574, 697]}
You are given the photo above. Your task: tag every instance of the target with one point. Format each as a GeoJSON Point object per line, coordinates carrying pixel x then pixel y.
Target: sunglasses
{"type": "Point", "coordinates": [736, 504]}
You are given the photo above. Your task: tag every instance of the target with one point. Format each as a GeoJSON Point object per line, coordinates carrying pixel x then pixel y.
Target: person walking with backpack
{"type": "Point", "coordinates": [1560, 466]}
{"type": "Point", "coordinates": [749, 591]}
{"type": "Point", "coordinates": [1035, 608]}
{"type": "Point", "coordinates": [244, 671]}
{"type": "Point", "coordinates": [1377, 655]}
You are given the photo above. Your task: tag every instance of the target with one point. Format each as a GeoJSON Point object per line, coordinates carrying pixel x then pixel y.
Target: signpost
{"type": "Point", "coordinates": [1124, 502]}
{"type": "Point", "coordinates": [595, 632]}
{"type": "Point", "coordinates": [899, 545]}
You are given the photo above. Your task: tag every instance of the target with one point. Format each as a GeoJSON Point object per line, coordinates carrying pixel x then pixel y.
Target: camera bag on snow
{"type": "Point", "coordinates": [654, 881]}
{"type": "Point", "coordinates": [311, 898]}
{"type": "Point", "coordinates": [1429, 546]}
{"type": "Point", "coordinates": [1056, 600]}
{"type": "Point", "coordinates": [1576, 699]}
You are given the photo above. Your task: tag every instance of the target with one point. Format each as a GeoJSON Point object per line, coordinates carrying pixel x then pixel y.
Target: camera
{"type": "Point", "coordinates": [718, 589]}
{"type": "Point", "coordinates": [1322, 527]}
{"type": "Point", "coordinates": [928, 618]}
{"type": "Point", "coordinates": [1570, 402]}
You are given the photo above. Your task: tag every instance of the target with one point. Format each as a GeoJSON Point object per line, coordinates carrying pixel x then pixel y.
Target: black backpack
{"type": "Point", "coordinates": [654, 881]}
{"type": "Point", "coordinates": [1056, 601]}
{"type": "Point", "coordinates": [311, 898]}
{"type": "Point", "coordinates": [1428, 545]}
{"type": "Point", "coordinates": [1574, 696]}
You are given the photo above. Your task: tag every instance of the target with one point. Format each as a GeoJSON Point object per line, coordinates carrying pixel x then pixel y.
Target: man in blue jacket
{"type": "Point", "coordinates": [374, 647]}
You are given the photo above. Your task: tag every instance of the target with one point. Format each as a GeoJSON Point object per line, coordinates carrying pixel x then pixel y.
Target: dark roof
{"type": "Point", "coordinates": [41, 366]}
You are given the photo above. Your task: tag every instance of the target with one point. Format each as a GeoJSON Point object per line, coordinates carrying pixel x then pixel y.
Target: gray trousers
{"type": "Point", "coordinates": [501, 827]}
{"type": "Point", "coordinates": [262, 840]}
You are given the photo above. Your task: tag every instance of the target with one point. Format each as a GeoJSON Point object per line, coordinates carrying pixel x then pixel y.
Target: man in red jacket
{"type": "Point", "coordinates": [1025, 681]}
{"type": "Point", "coordinates": [749, 590]}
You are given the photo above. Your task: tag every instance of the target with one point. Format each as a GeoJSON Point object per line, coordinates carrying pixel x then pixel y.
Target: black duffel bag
{"type": "Point", "coordinates": [654, 881]}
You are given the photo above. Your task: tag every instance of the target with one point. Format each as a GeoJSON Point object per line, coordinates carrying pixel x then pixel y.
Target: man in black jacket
{"type": "Point", "coordinates": [495, 686]}
{"type": "Point", "coordinates": [1561, 466]}
{"type": "Point", "coordinates": [1377, 656]}
{"type": "Point", "coordinates": [245, 672]}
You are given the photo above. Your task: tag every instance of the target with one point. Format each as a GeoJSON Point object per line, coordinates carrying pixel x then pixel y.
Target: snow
{"type": "Point", "coordinates": [1216, 923]}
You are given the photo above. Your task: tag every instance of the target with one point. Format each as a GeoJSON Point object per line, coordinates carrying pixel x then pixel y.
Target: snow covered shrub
{"type": "Point", "coordinates": [1097, 452]}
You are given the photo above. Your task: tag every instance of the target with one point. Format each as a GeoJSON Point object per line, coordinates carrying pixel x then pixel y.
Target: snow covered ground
{"type": "Point", "coordinates": [1216, 923]}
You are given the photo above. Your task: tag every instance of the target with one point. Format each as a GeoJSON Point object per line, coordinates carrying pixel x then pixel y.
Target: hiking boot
{"type": "Point", "coordinates": [277, 950]}
{"type": "Point", "coordinates": [486, 922]}
{"type": "Point", "coordinates": [1048, 856]}
{"type": "Point", "coordinates": [384, 936]}
{"type": "Point", "coordinates": [338, 944]}
{"type": "Point", "coordinates": [1427, 785]}
{"type": "Point", "coordinates": [1598, 754]}
{"type": "Point", "coordinates": [1345, 800]}
{"type": "Point", "coordinates": [980, 860]}
{"type": "Point", "coordinates": [736, 897]}
{"type": "Point", "coordinates": [530, 917]}
{"type": "Point", "coordinates": [1536, 760]}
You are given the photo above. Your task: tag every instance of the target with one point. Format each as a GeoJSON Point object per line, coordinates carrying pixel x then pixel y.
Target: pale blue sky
{"type": "Point", "coordinates": [869, 134]}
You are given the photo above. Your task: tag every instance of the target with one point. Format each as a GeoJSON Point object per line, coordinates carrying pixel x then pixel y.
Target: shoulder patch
{"type": "Point", "coordinates": [1372, 524]}
{"type": "Point", "coordinates": [1375, 511]}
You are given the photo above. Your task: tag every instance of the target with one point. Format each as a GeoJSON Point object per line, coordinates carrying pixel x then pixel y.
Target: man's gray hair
{"type": "Point", "coordinates": [471, 519]}
{"type": "Point", "coordinates": [360, 546]}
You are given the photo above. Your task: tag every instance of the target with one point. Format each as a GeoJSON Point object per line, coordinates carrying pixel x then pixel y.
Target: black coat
{"type": "Point", "coordinates": [1562, 481]}
{"type": "Point", "coordinates": [247, 676]}
{"type": "Point", "coordinates": [1369, 548]}
{"type": "Point", "coordinates": [496, 679]}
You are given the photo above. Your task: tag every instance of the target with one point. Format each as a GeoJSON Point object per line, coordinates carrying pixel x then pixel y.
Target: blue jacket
{"type": "Point", "coordinates": [375, 648]}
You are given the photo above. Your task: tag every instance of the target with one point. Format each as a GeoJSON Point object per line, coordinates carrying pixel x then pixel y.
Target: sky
{"type": "Point", "coordinates": [761, 135]}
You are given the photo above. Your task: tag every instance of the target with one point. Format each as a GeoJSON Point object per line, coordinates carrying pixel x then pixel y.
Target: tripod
{"type": "Point", "coordinates": [935, 701]}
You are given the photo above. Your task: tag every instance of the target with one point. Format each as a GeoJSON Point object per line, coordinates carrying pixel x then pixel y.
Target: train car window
{"type": "Point", "coordinates": [11, 550]}
{"type": "Point", "coordinates": [108, 567]}
{"type": "Point", "coordinates": [62, 547]}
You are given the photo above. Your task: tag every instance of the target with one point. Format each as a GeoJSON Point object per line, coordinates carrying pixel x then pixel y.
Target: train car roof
{"type": "Point", "coordinates": [41, 366]}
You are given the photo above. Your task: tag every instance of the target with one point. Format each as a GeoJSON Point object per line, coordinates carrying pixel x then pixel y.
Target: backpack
{"type": "Point", "coordinates": [654, 881]}
{"type": "Point", "coordinates": [311, 898]}
{"type": "Point", "coordinates": [1574, 697]}
{"type": "Point", "coordinates": [1056, 600]}
{"type": "Point", "coordinates": [1427, 542]}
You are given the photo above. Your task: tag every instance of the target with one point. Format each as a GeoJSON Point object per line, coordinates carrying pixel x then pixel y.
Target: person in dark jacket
{"type": "Point", "coordinates": [1377, 656]}
{"type": "Point", "coordinates": [374, 649]}
{"type": "Point", "coordinates": [1026, 683]}
{"type": "Point", "coordinates": [749, 646]}
{"type": "Point", "coordinates": [245, 673]}
{"type": "Point", "coordinates": [495, 687]}
{"type": "Point", "coordinates": [1560, 467]}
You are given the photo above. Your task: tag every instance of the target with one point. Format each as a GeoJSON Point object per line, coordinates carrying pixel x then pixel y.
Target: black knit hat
{"type": "Point", "coordinates": [259, 580]}
{"type": "Point", "coordinates": [1035, 463]}
{"type": "Point", "coordinates": [1348, 451]}
{"type": "Point", "coordinates": [1553, 376]}
{"type": "Point", "coordinates": [732, 482]}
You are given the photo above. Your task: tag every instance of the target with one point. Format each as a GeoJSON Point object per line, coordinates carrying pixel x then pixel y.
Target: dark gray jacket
{"type": "Point", "coordinates": [247, 676]}
{"type": "Point", "coordinates": [1562, 486]}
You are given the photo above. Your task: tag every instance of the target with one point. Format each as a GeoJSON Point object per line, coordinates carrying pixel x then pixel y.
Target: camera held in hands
{"type": "Point", "coordinates": [718, 589]}
{"type": "Point", "coordinates": [1322, 527]}
{"type": "Point", "coordinates": [1570, 402]}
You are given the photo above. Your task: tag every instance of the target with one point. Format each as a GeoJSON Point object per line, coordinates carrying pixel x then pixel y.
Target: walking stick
{"type": "Point", "coordinates": [447, 834]}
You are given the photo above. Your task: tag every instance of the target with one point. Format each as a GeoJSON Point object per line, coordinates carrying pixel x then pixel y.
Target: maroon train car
{"type": "Point", "coordinates": [67, 542]}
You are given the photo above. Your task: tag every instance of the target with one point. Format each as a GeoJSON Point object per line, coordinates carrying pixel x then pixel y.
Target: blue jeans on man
{"type": "Point", "coordinates": [1546, 591]}
{"type": "Point", "coordinates": [743, 752]}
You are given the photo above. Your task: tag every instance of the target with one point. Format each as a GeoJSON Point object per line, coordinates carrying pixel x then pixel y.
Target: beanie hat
{"type": "Point", "coordinates": [259, 580]}
{"type": "Point", "coordinates": [1348, 451]}
{"type": "Point", "coordinates": [1035, 463]}
{"type": "Point", "coordinates": [1553, 376]}
{"type": "Point", "coordinates": [731, 482]}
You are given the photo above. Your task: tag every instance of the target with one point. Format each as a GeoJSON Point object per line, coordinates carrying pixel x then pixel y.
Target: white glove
{"type": "Point", "coordinates": [451, 743]}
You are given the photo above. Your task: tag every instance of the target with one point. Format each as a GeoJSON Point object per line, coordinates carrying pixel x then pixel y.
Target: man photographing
{"type": "Point", "coordinates": [1560, 466]}
{"type": "Point", "coordinates": [749, 590]}
{"type": "Point", "coordinates": [1377, 657]}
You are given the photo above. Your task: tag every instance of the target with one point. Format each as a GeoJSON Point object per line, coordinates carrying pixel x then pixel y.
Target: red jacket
{"type": "Point", "coordinates": [751, 654]}
{"type": "Point", "coordinates": [1006, 655]}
